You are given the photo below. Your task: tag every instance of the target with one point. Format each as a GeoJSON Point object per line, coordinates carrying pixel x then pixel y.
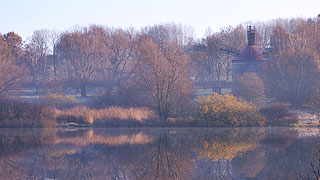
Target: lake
{"type": "Point", "coordinates": [159, 153]}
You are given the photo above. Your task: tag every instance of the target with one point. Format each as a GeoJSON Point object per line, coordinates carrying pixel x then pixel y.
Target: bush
{"type": "Point", "coordinates": [278, 114]}
{"type": "Point", "coordinates": [249, 86]}
{"type": "Point", "coordinates": [17, 113]}
{"type": "Point", "coordinates": [227, 110]}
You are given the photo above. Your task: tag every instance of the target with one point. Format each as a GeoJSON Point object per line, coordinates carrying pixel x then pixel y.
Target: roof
{"type": "Point", "coordinates": [249, 53]}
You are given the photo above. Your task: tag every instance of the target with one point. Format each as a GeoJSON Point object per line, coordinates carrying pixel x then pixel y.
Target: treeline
{"type": "Point", "coordinates": [158, 66]}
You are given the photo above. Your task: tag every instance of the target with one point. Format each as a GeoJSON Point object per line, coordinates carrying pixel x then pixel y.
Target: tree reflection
{"type": "Point", "coordinates": [219, 147]}
{"type": "Point", "coordinates": [313, 172]}
{"type": "Point", "coordinates": [157, 154]}
{"type": "Point", "coordinates": [15, 145]}
{"type": "Point", "coordinates": [228, 143]}
{"type": "Point", "coordinates": [208, 170]}
{"type": "Point", "coordinates": [165, 160]}
{"type": "Point", "coordinates": [251, 163]}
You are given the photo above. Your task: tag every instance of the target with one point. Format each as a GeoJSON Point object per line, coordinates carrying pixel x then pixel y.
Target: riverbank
{"type": "Point", "coordinates": [67, 111]}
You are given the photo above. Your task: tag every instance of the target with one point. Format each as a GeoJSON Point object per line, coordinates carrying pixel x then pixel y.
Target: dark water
{"type": "Point", "coordinates": [147, 154]}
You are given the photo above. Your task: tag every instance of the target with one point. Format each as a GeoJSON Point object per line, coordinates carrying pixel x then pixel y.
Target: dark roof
{"type": "Point", "coordinates": [249, 53]}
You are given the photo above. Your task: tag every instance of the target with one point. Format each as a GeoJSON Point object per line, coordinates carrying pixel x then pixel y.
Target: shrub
{"type": "Point", "coordinates": [227, 110]}
{"type": "Point", "coordinates": [278, 114]}
{"type": "Point", "coordinates": [18, 113]}
{"type": "Point", "coordinates": [249, 86]}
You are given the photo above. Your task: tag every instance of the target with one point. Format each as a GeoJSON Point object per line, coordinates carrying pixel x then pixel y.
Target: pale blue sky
{"type": "Point", "coordinates": [25, 16]}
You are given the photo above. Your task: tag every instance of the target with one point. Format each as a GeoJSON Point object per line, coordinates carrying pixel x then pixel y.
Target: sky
{"type": "Point", "coordinates": [26, 16]}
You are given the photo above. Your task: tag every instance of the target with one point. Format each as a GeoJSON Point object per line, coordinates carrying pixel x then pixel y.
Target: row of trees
{"type": "Point", "coordinates": [293, 70]}
{"type": "Point", "coordinates": [153, 62]}
{"type": "Point", "coordinates": [160, 61]}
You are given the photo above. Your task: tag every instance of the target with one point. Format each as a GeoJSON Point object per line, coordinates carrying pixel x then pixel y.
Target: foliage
{"type": "Point", "coordinates": [17, 113]}
{"type": "Point", "coordinates": [227, 110]}
{"type": "Point", "coordinates": [248, 86]}
{"type": "Point", "coordinates": [278, 114]}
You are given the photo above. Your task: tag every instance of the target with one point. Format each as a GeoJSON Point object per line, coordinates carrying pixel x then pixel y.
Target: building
{"type": "Point", "coordinates": [249, 59]}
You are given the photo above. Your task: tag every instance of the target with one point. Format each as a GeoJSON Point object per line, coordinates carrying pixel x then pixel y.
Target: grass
{"type": "Point", "coordinates": [111, 116]}
{"type": "Point", "coordinates": [16, 113]}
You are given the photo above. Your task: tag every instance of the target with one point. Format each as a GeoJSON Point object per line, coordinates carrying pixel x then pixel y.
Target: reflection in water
{"type": "Point", "coordinates": [89, 137]}
{"type": "Point", "coordinates": [150, 154]}
{"type": "Point", "coordinates": [226, 144]}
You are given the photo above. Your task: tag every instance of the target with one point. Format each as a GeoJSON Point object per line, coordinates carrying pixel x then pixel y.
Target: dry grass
{"type": "Point", "coordinates": [111, 116]}
{"type": "Point", "coordinates": [16, 113]}
{"type": "Point", "coordinates": [139, 114]}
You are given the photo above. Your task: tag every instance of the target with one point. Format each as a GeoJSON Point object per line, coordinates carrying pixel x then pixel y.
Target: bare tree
{"type": "Point", "coordinates": [162, 74]}
{"type": "Point", "coordinates": [84, 54]}
{"type": "Point", "coordinates": [209, 60]}
{"type": "Point", "coordinates": [53, 40]}
{"type": "Point", "coordinates": [120, 57]}
{"type": "Point", "coordinates": [291, 70]}
{"type": "Point", "coordinates": [234, 38]}
{"type": "Point", "coordinates": [182, 35]}
{"type": "Point", "coordinates": [11, 72]}
{"type": "Point", "coordinates": [37, 51]}
{"type": "Point", "coordinates": [14, 42]}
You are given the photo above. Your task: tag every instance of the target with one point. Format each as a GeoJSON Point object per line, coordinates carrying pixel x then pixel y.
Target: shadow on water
{"type": "Point", "coordinates": [150, 154]}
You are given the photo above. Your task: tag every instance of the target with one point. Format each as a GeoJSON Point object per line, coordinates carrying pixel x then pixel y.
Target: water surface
{"type": "Point", "coordinates": [158, 153]}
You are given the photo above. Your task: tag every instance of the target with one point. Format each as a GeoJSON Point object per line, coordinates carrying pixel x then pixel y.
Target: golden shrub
{"type": "Point", "coordinates": [228, 110]}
